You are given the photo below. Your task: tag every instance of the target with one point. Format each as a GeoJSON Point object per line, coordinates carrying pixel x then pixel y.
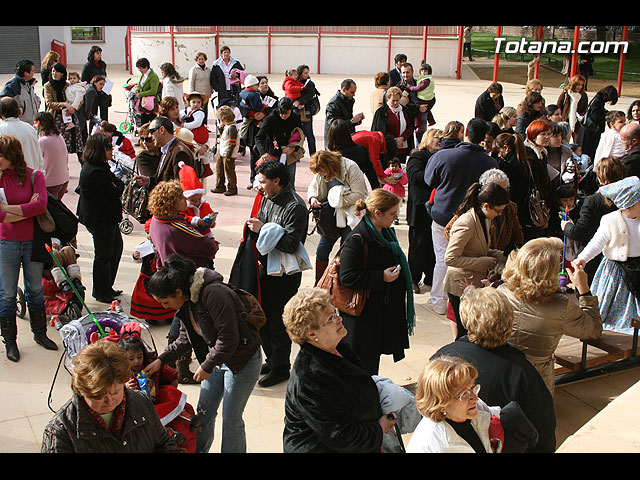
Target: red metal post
{"type": "Point", "coordinates": [389, 51]}
{"type": "Point", "coordinates": [269, 49]}
{"type": "Point", "coordinates": [496, 57]}
{"type": "Point", "coordinates": [460, 40]}
{"type": "Point", "coordinates": [217, 41]}
{"type": "Point", "coordinates": [625, 33]}
{"type": "Point", "coordinates": [574, 57]}
{"type": "Point", "coordinates": [425, 33]}
{"type": "Point", "coordinates": [173, 45]}
{"type": "Point", "coordinates": [537, 65]}
{"type": "Point", "coordinates": [319, 37]}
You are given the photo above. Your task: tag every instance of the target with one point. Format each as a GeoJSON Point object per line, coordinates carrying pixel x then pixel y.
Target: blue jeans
{"type": "Point", "coordinates": [233, 390]}
{"type": "Point", "coordinates": [325, 244]}
{"type": "Point", "coordinates": [13, 254]}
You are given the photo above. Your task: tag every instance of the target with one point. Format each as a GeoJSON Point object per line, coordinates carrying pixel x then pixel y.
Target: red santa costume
{"type": "Point", "coordinates": [192, 185]}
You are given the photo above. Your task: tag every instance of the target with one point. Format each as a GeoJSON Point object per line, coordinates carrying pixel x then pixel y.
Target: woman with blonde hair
{"type": "Point", "coordinates": [573, 102]}
{"type": "Point", "coordinates": [455, 420]}
{"type": "Point", "coordinates": [542, 313]}
{"type": "Point", "coordinates": [48, 61]}
{"type": "Point", "coordinates": [397, 121]}
{"type": "Point", "coordinates": [506, 119]}
{"type": "Point", "coordinates": [503, 371]}
{"type": "Point", "coordinates": [421, 255]}
{"type": "Point", "coordinates": [332, 403]}
{"type": "Point", "coordinates": [372, 260]}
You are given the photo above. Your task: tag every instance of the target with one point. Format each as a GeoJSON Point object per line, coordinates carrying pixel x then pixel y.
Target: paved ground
{"type": "Point", "coordinates": [25, 386]}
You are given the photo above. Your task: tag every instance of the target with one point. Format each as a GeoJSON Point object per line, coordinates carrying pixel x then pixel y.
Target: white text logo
{"type": "Point", "coordinates": [535, 47]}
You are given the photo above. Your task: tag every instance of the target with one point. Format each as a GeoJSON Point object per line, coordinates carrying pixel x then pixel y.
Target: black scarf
{"type": "Point", "coordinates": [59, 85]}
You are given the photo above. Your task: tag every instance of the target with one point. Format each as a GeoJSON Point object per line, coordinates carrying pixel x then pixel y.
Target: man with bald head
{"type": "Point", "coordinates": [11, 124]}
{"type": "Point", "coordinates": [630, 137]}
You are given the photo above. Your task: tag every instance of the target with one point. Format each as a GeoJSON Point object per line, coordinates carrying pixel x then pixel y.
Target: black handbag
{"type": "Point", "coordinates": [325, 219]}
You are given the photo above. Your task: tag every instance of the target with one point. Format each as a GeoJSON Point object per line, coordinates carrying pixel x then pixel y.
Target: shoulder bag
{"type": "Point", "coordinates": [345, 299]}
{"type": "Point", "coordinates": [538, 210]}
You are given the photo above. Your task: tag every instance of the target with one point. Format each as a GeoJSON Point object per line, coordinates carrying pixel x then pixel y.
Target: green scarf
{"type": "Point", "coordinates": [389, 239]}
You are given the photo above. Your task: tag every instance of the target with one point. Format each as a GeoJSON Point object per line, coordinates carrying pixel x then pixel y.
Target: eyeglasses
{"type": "Point", "coordinates": [464, 396]}
{"type": "Point", "coordinates": [498, 210]}
{"type": "Point", "coordinates": [335, 316]}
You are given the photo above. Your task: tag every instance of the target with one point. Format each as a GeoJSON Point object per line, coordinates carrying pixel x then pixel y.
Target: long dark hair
{"type": "Point", "coordinates": [46, 123]}
{"type": "Point", "coordinates": [339, 135]}
{"type": "Point", "coordinates": [95, 149]}
{"type": "Point", "coordinates": [477, 194]}
{"type": "Point", "coordinates": [176, 273]}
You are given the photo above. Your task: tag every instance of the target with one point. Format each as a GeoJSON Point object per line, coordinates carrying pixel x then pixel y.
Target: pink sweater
{"type": "Point", "coordinates": [56, 159]}
{"type": "Point", "coordinates": [16, 195]}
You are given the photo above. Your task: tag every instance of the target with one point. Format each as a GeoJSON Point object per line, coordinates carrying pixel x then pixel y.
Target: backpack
{"type": "Point", "coordinates": [253, 313]}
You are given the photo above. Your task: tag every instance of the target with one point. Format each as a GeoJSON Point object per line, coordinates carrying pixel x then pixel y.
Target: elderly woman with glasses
{"type": "Point", "coordinates": [504, 371]}
{"type": "Point", "coordinates": [469, 255]}
{"type": "Point", "coordinates": [332, 404]}
{"type": "Point", "coordinates": [455, 420]}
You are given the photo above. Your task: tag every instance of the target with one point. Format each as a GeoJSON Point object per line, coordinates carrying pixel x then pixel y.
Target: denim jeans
{"type": "Point", "coordinates": [233, 390]}
{"type": "Point", "coordinates": [325, 244]}
{"type": "Point", "coordinates": [12, 255]}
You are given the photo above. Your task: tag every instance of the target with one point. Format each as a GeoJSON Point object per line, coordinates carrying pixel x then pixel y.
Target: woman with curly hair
{"type": "Point", "coordinates": [172, 83]}
{"type": "Point", "coordinates": [542, 313]}
{"type": "Point", "coordinates": [171, 233]}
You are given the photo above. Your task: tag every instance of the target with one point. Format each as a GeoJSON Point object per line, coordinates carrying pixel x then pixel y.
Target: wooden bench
{"type": "Point", "coordinates": [579, 359]}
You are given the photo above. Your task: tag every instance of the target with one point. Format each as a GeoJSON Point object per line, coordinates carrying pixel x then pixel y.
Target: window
{"type": "Point", "coordinates": [87, 34]}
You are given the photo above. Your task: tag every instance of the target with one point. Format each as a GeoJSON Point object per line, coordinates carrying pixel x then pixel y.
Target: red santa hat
{"type": "Point", "coordinates": [190, 182]}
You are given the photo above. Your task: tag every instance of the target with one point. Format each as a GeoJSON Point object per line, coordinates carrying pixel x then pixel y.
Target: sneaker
{"type": "Point", "coordinates": [438, 309]}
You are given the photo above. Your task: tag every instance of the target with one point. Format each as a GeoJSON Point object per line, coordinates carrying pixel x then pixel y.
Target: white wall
{"type": "Point", "coordinates": [338, 54]}
{"type": "Point", "coordinates": [113, 48]}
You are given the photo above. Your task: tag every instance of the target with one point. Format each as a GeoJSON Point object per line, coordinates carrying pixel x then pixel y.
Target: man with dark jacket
{"type": "Point", "coordinates": [451, 172]}
{"type": "Point", "coordinates": [173, 152]}
{"type": "Point", "coordinates": [395, 75]}
{"type": "Point", "coordinates": [22, 88]}
{"type": "Point", "coordinates": [280, 205]}
{"type": "Point", "coordinates": [341, 106]}
{"type": "Point", "coordinates": [630, 137]}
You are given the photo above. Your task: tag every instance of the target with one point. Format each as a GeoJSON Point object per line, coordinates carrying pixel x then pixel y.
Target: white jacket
{"type": "Point", "coordinates": [28, 139]}
{"type": "Point", "coordinates": [440, 437]}
{"type": "Point", "coordinates": [617, 237]}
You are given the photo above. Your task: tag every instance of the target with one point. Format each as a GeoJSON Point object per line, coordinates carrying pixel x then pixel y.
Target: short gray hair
{"type": "Point", "coordinates": [493, 175]}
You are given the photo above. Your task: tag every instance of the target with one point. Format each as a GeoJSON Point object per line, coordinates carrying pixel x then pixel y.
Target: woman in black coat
{"type": "Point", "coordinates": [489, 103]}
{"type": "Point", "coordinates": [594, 121]}
{"type": "Point", "coordinates": [220, 71]}
{"type": "Point", "coordinates": [369, 261]}
{"type": "Point", "coordinates": [512, 161]}
{"type": "Point", "coordinates": [395, 120]}
{"type": "Point", "coordinates": [532, 108]}
{"type": "Point", "coordinates": [332, 404]}
{"type": "Point", "coordinates": [96, 66]}
{"type": "Point", "coordinates": [340, 140]}
{"type": "Point", "coordinates": [100, 210]}
{"type": "Point", "coordinates": [421, 255]}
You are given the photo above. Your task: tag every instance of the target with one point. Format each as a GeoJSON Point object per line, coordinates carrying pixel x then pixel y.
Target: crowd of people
{"type": "Point", "coordinates": [497, 207]}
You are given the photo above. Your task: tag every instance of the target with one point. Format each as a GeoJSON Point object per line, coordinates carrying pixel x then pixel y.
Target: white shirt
{"type": "Point", "coordinates": [28, 139]}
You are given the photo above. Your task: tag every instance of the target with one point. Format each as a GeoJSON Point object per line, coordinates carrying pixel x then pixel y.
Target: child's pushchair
{"type": "Point", "coordinates": [135, 197]}
{"type": "Point", "coordinates": [176, 415]}
{"type": "Point", "coordinates": [132, 122]}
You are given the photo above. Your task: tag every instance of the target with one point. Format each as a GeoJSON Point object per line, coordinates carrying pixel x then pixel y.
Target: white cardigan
{"type": "Point", "coordinates": [617, 237]}
{"type": "Point", "coordinates": [440, 437]}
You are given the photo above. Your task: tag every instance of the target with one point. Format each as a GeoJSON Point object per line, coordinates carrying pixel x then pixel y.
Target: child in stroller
{"type": "Point", "coordinates": [175, 413]}
{"type": "Point", "coordinates": [60, 299]}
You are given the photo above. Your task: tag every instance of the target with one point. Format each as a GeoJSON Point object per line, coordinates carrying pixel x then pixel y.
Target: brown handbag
{"type": "Point", "coordinates": [345, 299]}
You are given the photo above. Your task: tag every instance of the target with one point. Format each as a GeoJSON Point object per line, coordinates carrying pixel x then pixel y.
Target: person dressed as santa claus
{"type": "Point", "coordinates": [199, 212]}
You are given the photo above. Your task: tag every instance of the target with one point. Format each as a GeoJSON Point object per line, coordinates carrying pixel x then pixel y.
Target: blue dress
{"type": "Point", "coordinates": [617, 305]}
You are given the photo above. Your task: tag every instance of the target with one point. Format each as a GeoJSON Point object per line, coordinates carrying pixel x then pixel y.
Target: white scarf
{"type": "Point", "coordinates": [403, 122]}
{"type": "Point", "coordinates": [573, 109]}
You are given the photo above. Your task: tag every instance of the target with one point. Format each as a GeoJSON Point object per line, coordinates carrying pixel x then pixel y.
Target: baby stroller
{"type": "Point", "coordinates": [132, 122]}
{"type": "Point", "coordinates": [176, 415]}
{"type": "Point", "coordinates": [134, 197]}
